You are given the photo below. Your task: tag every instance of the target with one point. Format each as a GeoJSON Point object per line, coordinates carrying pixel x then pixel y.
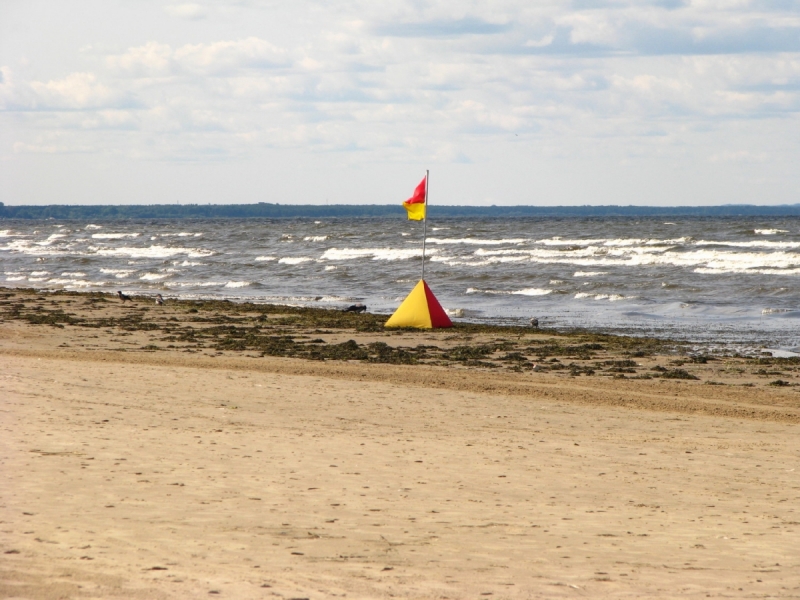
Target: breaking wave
{"type": "Point", "coordinates": [114, 236]}
{"type": "Point", "coordinates": [522, 292]}
{"type": "Point", "coordinates": [295, 260]}
{"type": "Point", "coordinates": [373, 253]}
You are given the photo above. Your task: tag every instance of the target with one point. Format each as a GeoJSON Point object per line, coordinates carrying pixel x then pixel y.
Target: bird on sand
{"type": "Point", "coordinates": [123, 297]}
{"type": "Point", "coordinates": [159, 300]}
{"type": "Point", "coordinates": [356, 308]}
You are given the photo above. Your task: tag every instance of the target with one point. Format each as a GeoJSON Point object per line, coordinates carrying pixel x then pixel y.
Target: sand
{"type": "Point", "coordinates": [170, 474]}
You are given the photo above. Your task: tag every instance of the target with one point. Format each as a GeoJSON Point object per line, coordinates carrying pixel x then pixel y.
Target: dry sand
{"type": "Point", "coordinates": [174, 475]}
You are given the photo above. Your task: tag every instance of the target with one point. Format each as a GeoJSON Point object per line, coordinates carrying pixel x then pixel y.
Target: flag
{"type": "Point", "coordinates": [416, 204]}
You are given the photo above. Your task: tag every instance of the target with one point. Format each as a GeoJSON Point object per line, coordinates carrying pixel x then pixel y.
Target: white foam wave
{"type": "Point", "coordinates": [612, 243]}
{"type": "Point", "coordinates": [644, 256]}
{"type": "Point", "coordinates": [769, 231]}
{"type": "Point", "coordinates": [745, 271]}
{"type": "Point", "coordinates": [476, 242]}
{"type": "Point", "coordinates": [609, 297]}
{"type": "Point", "coordinates": [237, 284]}
{"type": "Point", "coordinates": [6, 233]}
{"type": "Point", "coordinates": [454, 262]}
{"type": "Point", "coordinates": [193, 284]}
{"type": "Point", "coordinates": [114, 236]}
{"type": "Point", "coordinates": [753, 244]}
{"type": "Point", "coordinates": [294, 260]}
{"type": "Point", "coordinates": [72, 283]}
{"type": "Point", "coordinates": [153, 252]}
{"type": "Point", "coordinates": [119, 273]}
{"type": "Point", "coordinates": [454, 312]}
{"type": "Point", "coordinates": [73, 274]}
{"type": "Point", "coordinates": [532, 292]}
{"type": "Point", "coordinates": [522, 292]}
{"type": "Point", "coordinates": [772, 311]}
{"type": "Point", "coordinates": [93, 226]}
{"type": "Point", "coordinates": [266, 258]}
{"type": "Point", "coordinates": [373, 253]}
{"type": "Point", "coordinates": [39, 273]}
{"type": "Point", "coordinates": [188, 263]}
{"type": "Point", "coordinates": [16, 278]}
{"type": "Point", "coordinates": [589, 273]}
{"type": "Point", "coordinates": [38, 248]}
{"type": "Point", "coordinates": [153, 276]}
{"type": "Point", "coordinates": [315, 238]}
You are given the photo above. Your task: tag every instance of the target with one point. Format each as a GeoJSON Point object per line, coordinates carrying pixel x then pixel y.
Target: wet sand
{"type": "Point", "coordinates": [174, 474]}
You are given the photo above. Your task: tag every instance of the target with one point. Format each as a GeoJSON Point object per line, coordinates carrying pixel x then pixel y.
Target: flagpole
{"type": "Point", "coordinates": [425, 224]}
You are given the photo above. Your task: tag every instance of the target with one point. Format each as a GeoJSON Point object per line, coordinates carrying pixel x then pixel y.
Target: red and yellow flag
{"type": "Point", "coordinates": [416, 204]}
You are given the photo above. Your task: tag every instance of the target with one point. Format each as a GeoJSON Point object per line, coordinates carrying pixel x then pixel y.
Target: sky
{"type": "Point", "coordinates": [652, 102]}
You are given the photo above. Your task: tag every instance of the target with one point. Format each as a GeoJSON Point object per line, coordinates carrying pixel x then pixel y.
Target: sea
{"type": "Point", "coordinates": [720, 283]}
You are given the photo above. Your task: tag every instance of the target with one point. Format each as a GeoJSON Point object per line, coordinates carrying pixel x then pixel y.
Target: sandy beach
{"type": "Point", "coordinates": [216, 450]}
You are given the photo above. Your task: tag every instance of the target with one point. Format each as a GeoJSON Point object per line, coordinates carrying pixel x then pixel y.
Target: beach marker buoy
{"type": "Point", "coordinates": [420, 309]}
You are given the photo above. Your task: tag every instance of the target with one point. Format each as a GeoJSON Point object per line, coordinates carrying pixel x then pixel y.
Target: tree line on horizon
{"type": "Point", "coordinates": [282, 211]}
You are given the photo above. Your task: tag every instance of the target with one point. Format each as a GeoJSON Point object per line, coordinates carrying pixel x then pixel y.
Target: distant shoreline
{"type": "Point", "coordinates": [288, 211]}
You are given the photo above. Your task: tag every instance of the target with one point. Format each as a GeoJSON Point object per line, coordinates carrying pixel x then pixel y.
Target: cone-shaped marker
{"type": "Point", "coordinates": [420, 309]}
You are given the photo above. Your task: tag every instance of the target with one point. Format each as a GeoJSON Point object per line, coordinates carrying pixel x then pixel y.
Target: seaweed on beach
{"type": "Point", "coordinates": [677, 374]}
{"type": "Point", "coordinates": [468, 353]}
{"type": "Point", "coordinates": [618, 366]}
{"type": "Point", "coordinates": [224, 327]}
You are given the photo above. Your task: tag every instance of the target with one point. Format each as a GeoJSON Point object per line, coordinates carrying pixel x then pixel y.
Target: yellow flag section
{"type": "Point", "coordinates": [415, 206]}
{"type": "Point", "coordinates": [420, 309]}
{"type": "Point", "coordinates": [416, 212]}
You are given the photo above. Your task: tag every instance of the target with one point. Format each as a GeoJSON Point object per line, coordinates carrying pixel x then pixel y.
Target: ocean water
{"type": "Point", "coordinates": [720, 281]}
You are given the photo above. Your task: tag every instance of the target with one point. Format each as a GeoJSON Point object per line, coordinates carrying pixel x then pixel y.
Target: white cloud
{"type": "Point", "coordinates": [590, 28]}
{"type": "Point", "coordinates": [217, 58]}
{"type": "Point", "coordinates": [76, 91]}
{"type": "Point", "coordinates": [186, 11]}
{"type": "Point", "coordinates": [441, 81]}
{"type": "Point", "coordinates": [152, 58]}
{"type": "Point", "coordinates": [739, 156]}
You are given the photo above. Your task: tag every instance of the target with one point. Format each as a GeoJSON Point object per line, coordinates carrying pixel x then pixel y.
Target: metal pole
{"type": "Point", "coordinates": [425, 224]}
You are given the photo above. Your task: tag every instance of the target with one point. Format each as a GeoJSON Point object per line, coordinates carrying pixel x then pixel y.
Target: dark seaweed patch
{"type": "Point", "coordinates": [677, 374]}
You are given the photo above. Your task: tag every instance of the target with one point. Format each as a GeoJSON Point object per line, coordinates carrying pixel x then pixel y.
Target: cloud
{"type": "Point", "coordinates": [441, 28]}
{"type": "Point", "coordinates": [186, 11]}
{"type": "Point", "coordinates": [76, 91]}
{"type": "Point", "coordinates": [739, 156]}
{"type": "Point", "coordinates": [218, 58]}
{"type": "Point", "coordinates": [51, 147]}
{"type": "Point", "coordinates": [441, 81]}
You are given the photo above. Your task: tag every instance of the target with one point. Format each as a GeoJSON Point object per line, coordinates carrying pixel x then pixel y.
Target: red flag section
{"type": "Point", "coordinates": [419, 194]}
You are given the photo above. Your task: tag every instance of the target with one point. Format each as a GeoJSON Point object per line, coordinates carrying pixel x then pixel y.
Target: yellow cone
{"type": "Point", "coordinates": [420, 309]}
{"type": "Point", "coordinates": [413, 312]}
